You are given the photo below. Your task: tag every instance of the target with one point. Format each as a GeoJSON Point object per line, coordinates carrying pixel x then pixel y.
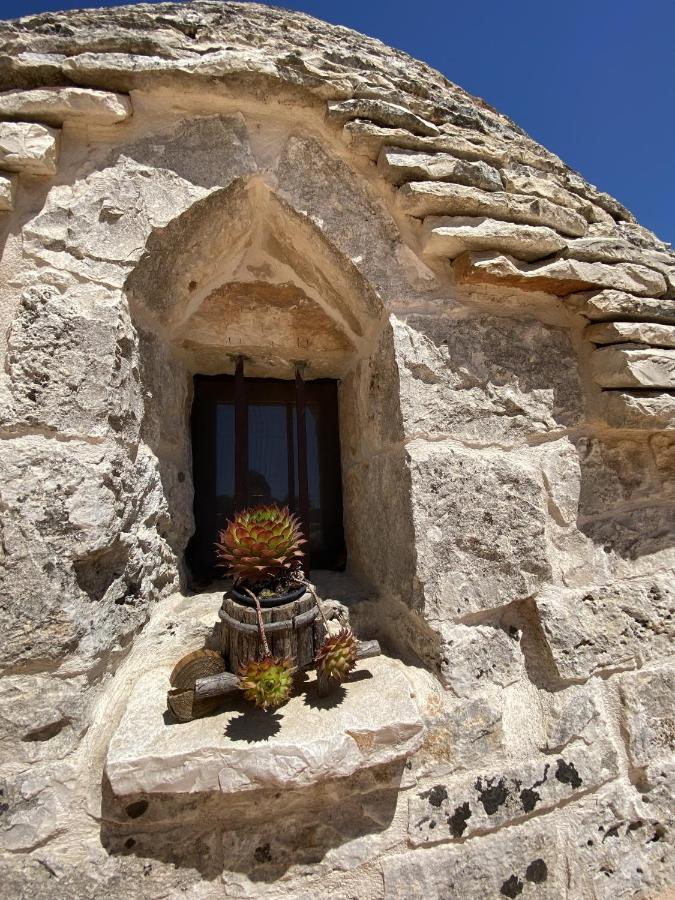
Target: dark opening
{"type": "Point", "coordinates": [272, 471]}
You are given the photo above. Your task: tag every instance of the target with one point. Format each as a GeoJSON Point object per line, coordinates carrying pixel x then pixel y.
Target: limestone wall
{"type": "Point", "coordinates": [183, 183]}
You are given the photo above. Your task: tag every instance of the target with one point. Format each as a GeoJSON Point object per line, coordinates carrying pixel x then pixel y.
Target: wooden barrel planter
{"type": "Point", "coordinates": [294, 629]}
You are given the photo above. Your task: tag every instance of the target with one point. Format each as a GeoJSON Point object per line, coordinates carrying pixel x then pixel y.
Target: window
{"type": "Point", "coordinates": [264, 443]}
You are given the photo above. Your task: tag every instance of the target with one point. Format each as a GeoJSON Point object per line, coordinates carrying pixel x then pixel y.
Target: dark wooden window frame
{"type": "Point", "coordinates": [209, 391]}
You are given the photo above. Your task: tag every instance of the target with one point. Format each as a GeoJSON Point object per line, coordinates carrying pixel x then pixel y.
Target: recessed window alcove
{"type": "Point", "coordinates": [244, 294]}
{"type": "Point", "coordinates": [241, 275]}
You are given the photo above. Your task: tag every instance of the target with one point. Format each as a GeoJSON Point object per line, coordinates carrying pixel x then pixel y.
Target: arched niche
{"type": "Point", "coordinates": [242, 273]}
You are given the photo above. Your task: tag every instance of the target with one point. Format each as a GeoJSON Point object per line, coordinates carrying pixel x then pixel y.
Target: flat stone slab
{"type": "Point", "coordinates": [372, 721]}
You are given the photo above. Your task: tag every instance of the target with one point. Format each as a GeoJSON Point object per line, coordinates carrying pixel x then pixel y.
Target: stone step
{"type": "Point", "coordinates": [399, 166]}
{"type": "Point", "coordinates": [367, 139]}
{"type": "Point", "coordinates": [424, 198]}
{"type": "Point", "coordinates": [28, 148]}
{"type": "Point", "coordinates": [450, 236]}
{"type": "Point", "coordinates": [55, 105]}
{"type": "Point", "coordinates": [634, 367]}
{"type": "Point", "coordinates": [560, 276]}
{"type": "Point", "coordinates": [631, 332]}
{"type": "Point", "coordinates": [611, 304]}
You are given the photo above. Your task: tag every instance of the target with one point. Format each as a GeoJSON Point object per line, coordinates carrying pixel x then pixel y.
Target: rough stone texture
{"type": "Point", "coordinates": [398, 167]}
{"type": "Point", "coordinates": [473, 805]}
{"type": "Point", "coordinates": [634, 366]}
{"type": "Point", "coordinates": [646, 410]}
{"type": "Point", "coordinates": [56, 105]}
{"type": "Point", "coordinates": [509, 524]}
{"type": "Point", "coordinates": [372, 721]}
{"type": "Point", "coordinates": [652, 333]}
{"type": "Point", "coordinates": [524, 860]}
{"type": "Point", "coordinates": [450, 236]}
{"type": "Point", "coordinates": [423, 198]}
{"type": "Point", "coordinates": [27, 148]}
{"type": "Point", "coordinates": [601, 305]}
{"type": "Point", "coordinates": [7, 192]}
{"type": "Point", "coordinates": [489, 379]}
{"type": "Point", "coordinates": [621, 625]}
{"type": "Point", "coordinates": [479, 529]}
{"type": "Point", "coordinates": [562, 276]}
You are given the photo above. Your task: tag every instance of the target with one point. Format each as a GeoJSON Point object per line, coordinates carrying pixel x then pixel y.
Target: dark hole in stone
{"type": "Point", "coordinates": [529, 799]}
{"type": "Point", "coordinates": [457, 821]}
{"type": "Point", "coordinates": [512, 887]}
{"type": "Point", "coordinates": [48, 732]}
{"type": "Point", "coordinates": [589, 842]}
{"type": "Point", "coordinates": [611, 832]}
{"type": "Point", "coordinates": [633, 826]}
{"type": "Point", "coordinates": [263, 854]}
{"type": "Point", "coordinates": [129, 843]}
{"type": "Point", "coordinates": [537, 871]}
{"type": "Point", "coordinates": [436, 795]}
{"type": "Point", "coordinates": [136, 809]}
{"type": "Point", "coordinates": [567, 774]}
{"type": "Point", "coordinates": [491, 796]}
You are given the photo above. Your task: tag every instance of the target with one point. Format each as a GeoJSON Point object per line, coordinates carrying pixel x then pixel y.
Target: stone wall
{"type": "Point", "coordinates": [183, 183]}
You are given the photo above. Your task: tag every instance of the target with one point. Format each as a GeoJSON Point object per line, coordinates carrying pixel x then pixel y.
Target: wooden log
{"type": "Point", "coordinates": [181, 699]}
{"type": "Point", "coordinates": [226, 682]}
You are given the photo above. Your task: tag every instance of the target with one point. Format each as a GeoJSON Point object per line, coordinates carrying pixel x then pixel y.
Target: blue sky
{"type": "Point", "coordinates": [592, 80]}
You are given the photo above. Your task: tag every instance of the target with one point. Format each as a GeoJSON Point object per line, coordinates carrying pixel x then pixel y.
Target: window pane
{"type": "Point", "coordinates": [267, 454]}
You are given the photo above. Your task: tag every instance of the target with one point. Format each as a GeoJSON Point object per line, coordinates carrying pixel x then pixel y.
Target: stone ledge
{"type": "Point", "coordinates": [373, 721]}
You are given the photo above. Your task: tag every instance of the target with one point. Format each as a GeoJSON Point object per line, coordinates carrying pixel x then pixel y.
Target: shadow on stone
{"type": "Point", "coordinates": [254, 725]}
{"type": "Point", "coordinates": [199, 831]}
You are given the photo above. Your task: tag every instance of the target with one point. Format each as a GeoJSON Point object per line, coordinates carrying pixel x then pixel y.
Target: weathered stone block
{"type": "Point", "coordinates": [398, 167]}
{"type": "Point", "coordinates": [612, 304]}
{"type": "Point", "coordinates": [648, 704]}
{"type": "Point", "coordinates": [526, 180]}
{"type": "Point", "coordinates": [31, 149]}
{"type": "Point", "coordinates": [382, 113]}
{"type": "Point", "coordinates": [629, 367]}
{"type": "Point", "coordinates": [620, 625]}
{"type": "Point", "coordinates": [491, 379]}
{"type": "Point", "coordinates": [73, 363]}
{"type": "Point", "coordinates": [484, 802]}
{"type": "Point", "coordinates": [477, 657]}
{"type": "Point", "coordinates": [620, 844]}
{"type": "Point", "coordinates": [424, 198]}
{"type": "Point", "coordinates": [450, 236]}
{"type": "Point", "coordinates": [644, 410]}
{"type": "Point", "coordinates": [524, 860]}
{"type": "Point", "coordinates": [367, 139]}
{"type": "Point", "coordinates": [479, 528]}
{"type": "Point", "coordinates": [651, 333]}
{"type": "Point", "coordinates": [562, 276]}
{"type": "Point", "coordinates": [613, 473]}
{"type": "Point", "coordinates": [7, 192]}
{"type": "Point", "coordinates": [376, 722]}
{"type": "Point", "coordinates": [55, 105]}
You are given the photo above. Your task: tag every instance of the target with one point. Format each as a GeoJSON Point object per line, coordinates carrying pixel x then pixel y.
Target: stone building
{"type": "Point", "coordinates": [185, 185]}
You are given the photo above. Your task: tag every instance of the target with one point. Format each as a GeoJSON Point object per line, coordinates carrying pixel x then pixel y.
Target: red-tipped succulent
{"type": "Point", "coordinates": [261, 541]}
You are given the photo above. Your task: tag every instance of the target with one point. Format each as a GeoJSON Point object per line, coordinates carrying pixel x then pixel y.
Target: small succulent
{"type": "Point", "coordinates": [267, 682]}
{"type": "Point", "coordinates": [336, 657]}
{"type": "Point", "coordinates": [261, 541]}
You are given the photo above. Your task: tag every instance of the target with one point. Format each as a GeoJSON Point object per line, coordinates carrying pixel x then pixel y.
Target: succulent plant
{"type": "Point", "coordinates": [336, 657]}
{"type": "Point", "coordinates": [267, 682]}
{"type": "Point", "coordinates": [261, 541]}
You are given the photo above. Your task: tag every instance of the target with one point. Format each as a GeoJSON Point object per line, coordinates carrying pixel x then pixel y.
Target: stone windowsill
{"type": "Point", "coordinates": [373, 720]}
